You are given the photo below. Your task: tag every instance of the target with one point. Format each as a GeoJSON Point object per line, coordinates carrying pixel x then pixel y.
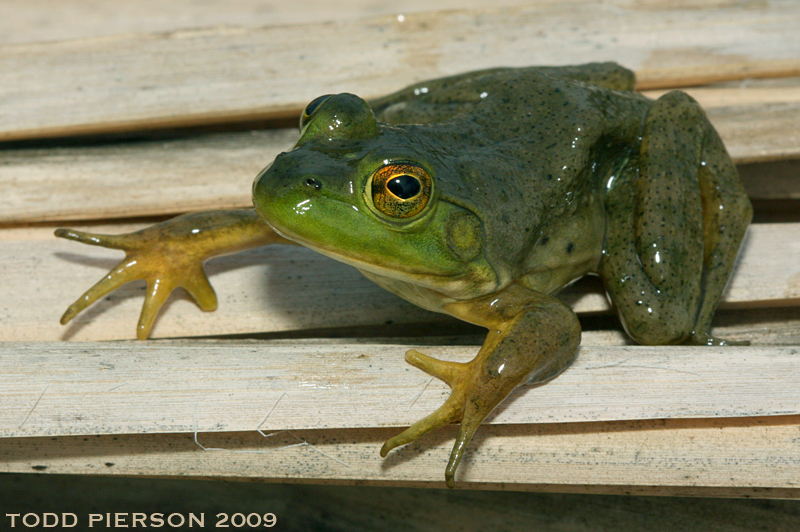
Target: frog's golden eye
{"type": "Point", "coordinates": [308, 112]}
{"type": "Point", "coordinates": [401, 190]}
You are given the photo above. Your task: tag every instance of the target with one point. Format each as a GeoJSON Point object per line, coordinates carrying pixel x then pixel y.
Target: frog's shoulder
{"type": "Point", "coordinates": [437, 100]}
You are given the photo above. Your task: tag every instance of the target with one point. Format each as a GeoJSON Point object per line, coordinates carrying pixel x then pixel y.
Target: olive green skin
{"type": "Point", "coordinates": [538, 176]}
{"type": "Point", "coordinates": [510, 167]}
{"type": "Point", "coordinates": [522, 161]}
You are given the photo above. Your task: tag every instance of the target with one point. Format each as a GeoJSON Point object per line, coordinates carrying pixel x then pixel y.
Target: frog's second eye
{"type": "Point", "coordinates": [308, 112]}
{"type": "Point", "coordinates": [401, 190]}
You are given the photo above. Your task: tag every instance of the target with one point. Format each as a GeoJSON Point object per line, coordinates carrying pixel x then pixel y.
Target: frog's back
{"type": "Point", "coordinates": [439, 99]}
{"type": "Point", "coordinates": [526, 149]}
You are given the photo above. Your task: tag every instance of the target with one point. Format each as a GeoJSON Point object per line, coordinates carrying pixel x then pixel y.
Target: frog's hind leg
{"type": "Point", "coordinates": [669, 246]}
{"type": "Point", "coordinates": [726, 213]}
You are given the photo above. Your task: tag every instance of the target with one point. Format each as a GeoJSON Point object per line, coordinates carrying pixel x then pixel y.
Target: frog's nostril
{"type": "Point", "coordinates": [311, 182]}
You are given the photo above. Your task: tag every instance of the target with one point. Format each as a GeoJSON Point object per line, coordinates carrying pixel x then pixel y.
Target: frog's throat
{"type": "Point", "coordinates": [447, 283]}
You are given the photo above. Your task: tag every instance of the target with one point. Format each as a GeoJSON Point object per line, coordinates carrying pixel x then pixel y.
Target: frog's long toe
{"type": "Point", "coordinates": [441, 369]}
{"type": "Point", "coordinates": [117, 277]}
{"type": "Point", "coordinates": [97, 239]}
{"type": "Point", "coordinates": [449, 412]}
{"type": "Point", "coordinates": [470, 401]}
{"type": "Point", "coordinates": [195, 283]}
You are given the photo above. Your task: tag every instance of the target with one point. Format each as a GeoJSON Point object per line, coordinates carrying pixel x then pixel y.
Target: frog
{"type": "Point", "coordinates": [481, 195]}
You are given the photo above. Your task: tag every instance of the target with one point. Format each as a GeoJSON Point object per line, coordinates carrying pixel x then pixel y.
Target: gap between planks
{"type": "Point", "coordinates": [214, 75]}
{"type": "Point", "coordinates": [58, 389]}
{"type": "Point", "coordinates": [280, 288]}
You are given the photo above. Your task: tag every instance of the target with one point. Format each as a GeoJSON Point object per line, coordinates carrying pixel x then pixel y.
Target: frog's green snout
{"type": "Point", "coordinates": [279, 185]}
{"type": "Point", "coordinates": [292, 193]}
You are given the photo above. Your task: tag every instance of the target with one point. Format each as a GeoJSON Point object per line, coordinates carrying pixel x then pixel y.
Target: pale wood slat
{"type": "Point", "coordinates": [280, 288]}
{"type": "Point", "coordinates": [58, 389]}
{"type": "Point", "coordinates": [733, 457]}
{"type": "Point", "coordinates": [136, 179]}
{"type": "Point", "coordinates": [223, 74]}
{"type": "Point", "coordinates": [174, 176]}
{"type": "Point", "coordinates": [58, 20]}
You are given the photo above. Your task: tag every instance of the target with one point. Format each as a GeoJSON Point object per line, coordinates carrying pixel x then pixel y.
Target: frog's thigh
{"type": "Point", "coordinates": [653, 262]}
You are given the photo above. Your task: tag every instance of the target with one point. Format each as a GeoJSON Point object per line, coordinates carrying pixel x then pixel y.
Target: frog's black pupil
{"type": "Point", "coordinates": [404, 186]}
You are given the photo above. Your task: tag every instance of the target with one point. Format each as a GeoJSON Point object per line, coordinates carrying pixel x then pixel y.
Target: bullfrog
{"type": "Point", "coordinates": [481, 195]}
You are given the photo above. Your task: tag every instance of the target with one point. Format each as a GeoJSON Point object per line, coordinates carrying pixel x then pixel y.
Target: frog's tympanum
{"type": "Point", "coordinates": [480, 196]}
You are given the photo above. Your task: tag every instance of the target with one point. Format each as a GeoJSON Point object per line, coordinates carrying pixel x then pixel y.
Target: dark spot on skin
{"type": "Point", "coordinates": [545, 240]}
{"type": "Point", "coordinates": [570, 247]}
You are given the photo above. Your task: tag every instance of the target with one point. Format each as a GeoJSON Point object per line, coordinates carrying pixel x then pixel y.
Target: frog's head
{"type": "Point", "coordinates": [366, 193]}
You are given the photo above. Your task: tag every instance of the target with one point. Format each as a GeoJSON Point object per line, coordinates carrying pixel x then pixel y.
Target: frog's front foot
{"type": "Point", "coordinates": [170, 255]}
{"type": "Point", "coordinates": [468, 403]}
{"type": "Point", "coordinates": [161, 262]}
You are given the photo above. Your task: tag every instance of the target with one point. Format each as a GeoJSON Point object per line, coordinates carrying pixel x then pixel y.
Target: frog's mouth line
{"type": "Point", "coordinates": [419, 278]}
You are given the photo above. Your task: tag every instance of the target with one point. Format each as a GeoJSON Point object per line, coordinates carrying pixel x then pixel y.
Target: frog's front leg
{"type": "Point", "coordinates": [532, 338]}
{"type": "Point", "coordinates": [170, 255]}
{"type": "Point", "coordinates": [675, 219]}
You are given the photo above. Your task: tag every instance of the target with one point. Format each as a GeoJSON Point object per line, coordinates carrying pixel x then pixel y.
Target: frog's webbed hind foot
{"type": "Point", "coordinates": [163, 268]}
{"type": "Point", "coordinates": [467, 403]}
{"type": "Point", "coordinates": [534, 338]}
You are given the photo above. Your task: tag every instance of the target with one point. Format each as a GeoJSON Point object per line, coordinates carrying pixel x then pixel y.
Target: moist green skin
{"type": "Point", "coordinates": [539, 176]}
{"type": "Point", "coordinates": [524, 161]}
{"type": "Point", "coordinates": [535, 150]}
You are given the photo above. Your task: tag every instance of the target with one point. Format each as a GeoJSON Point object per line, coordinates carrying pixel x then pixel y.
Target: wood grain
{"type": "Point", "coordinates": [732, 457]}
{"type": "Point", "coordinates": [164, 177]}
{"type": "Point", "coordinates": [58, 20]}
{"type": "Point", "coordinates": [62, 389]}
{"type": "Point", "coordinates": [136, 179]}
{"type": "Point", "coordinates": [212, 75]}
{"type": "Point", "coordinates": [279, 288]}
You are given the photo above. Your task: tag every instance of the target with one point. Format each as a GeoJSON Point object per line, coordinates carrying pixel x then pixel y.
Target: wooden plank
{"type": "Point", "coordinates": [759, 326]}
{"type": "Point", "coordinates": [136, 179]}
{"type": "Point", "coordinates": [62, 389]}
{"type": "Point", "coordinates": [751, 133]}
{"type": "Point", "coordinates": [280, 288]}
{"type": "Point", "coordinates": [731, 457]}
{"type": "Point", "coordinates": [213, 75]}
{"type": "Point", "coordinates": [58, 20]}
{"type": "Point", "coordinates": [164, 177]}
